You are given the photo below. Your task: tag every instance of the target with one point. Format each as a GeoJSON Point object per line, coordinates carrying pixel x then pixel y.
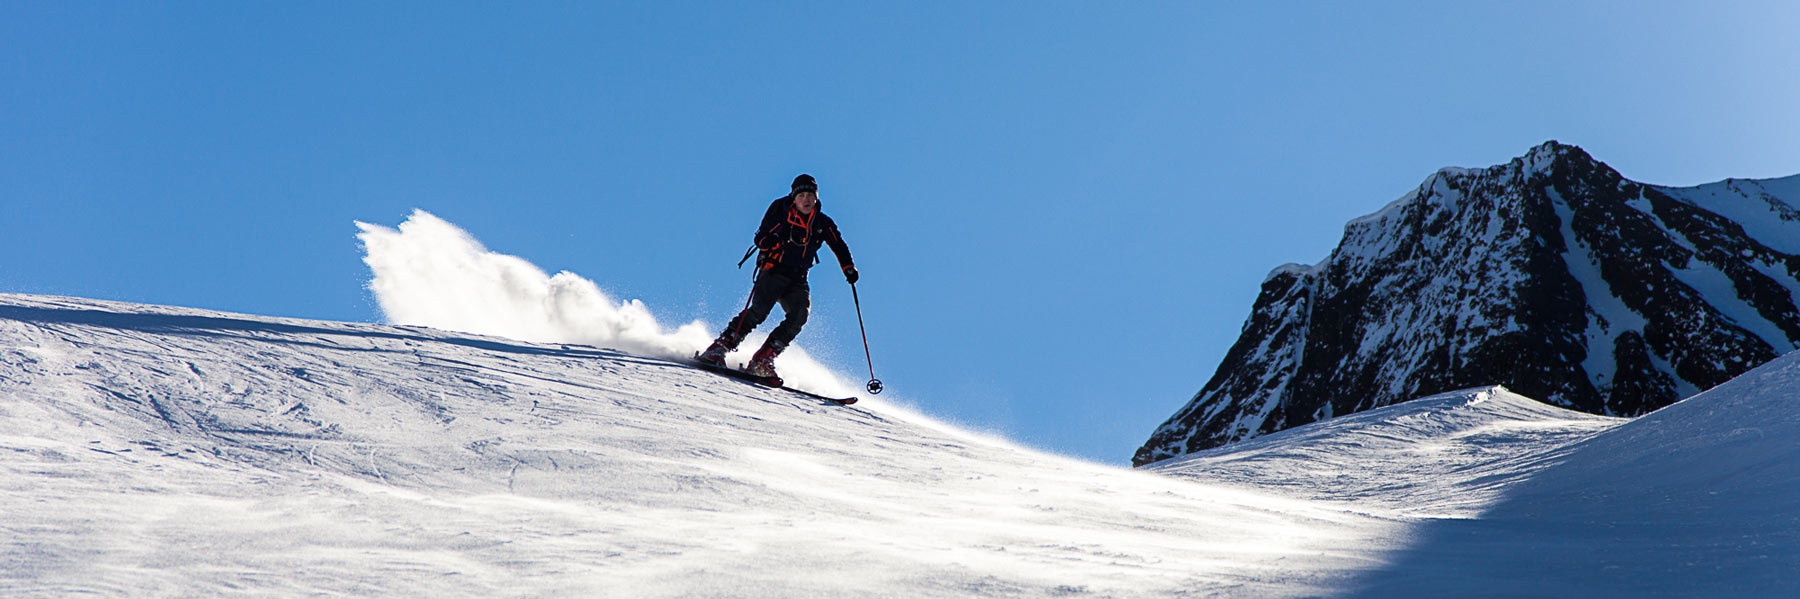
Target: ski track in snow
{"type": "Point", "coordinates": [166, 452]}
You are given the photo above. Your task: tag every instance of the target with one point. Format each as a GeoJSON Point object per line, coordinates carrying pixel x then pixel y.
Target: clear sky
{"type": "Point", "coordinates": [1062, 210]}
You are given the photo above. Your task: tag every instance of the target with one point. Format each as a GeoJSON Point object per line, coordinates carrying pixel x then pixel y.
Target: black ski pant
{"type": "Point", "coordinates": [772, 288]}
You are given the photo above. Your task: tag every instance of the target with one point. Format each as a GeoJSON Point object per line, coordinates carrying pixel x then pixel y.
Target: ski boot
{"type": "Point", "coordinates": [763, 363]}
{"type": "Point", "coordinates": [714, 354]}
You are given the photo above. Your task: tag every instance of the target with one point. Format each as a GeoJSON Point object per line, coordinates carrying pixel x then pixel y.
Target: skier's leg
{"type": "Point", "coordinates": [795, 304]}
{"type": "Point", "coordinates": [763, 297]}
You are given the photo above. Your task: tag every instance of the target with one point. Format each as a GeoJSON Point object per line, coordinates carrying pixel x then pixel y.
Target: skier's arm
{"type": "Point", "coordinates": [835, 239]}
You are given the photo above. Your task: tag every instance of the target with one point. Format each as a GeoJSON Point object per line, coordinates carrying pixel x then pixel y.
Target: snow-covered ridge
{"type": "Point", "coordinates": [1538, 161]}
{"type": "Point", "coordinates": [1449, 455]}
{"type": "Point", "coordinates": [1761, 207]}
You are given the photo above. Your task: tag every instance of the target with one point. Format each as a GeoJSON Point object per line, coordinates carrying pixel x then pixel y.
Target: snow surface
{"type": "Point", "coordinates": [168, 452]}
{"type": "Point", "coordinates": [1699, 499]}
{"type": "Point", "coordinates": [1443, 456]}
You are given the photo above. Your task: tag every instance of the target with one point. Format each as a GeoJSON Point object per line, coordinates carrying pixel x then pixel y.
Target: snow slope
{"type": "Point", "coordinates": [1699, 499]}
{"type": "Point", "coordinates": [1515, 498]}
{"type": "Point", "coordinates": [1445, 456]}
{"type": "Point", "coordinates": [166, 452]}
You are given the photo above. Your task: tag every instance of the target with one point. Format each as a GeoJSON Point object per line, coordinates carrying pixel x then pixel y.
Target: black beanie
{"type": "Point", "coordinates": [805, 182]}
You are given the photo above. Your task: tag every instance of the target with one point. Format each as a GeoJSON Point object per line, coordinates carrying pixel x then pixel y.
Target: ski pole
{"type": "Point", "coordinates": [755, 276]}
{"type": "Point", "coordinates": [874, 385]}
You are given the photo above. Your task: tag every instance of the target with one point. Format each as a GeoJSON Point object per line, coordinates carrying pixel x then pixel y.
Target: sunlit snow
{"type": "Point", "coordinates": [150, 451]}
{"type": "Point", "coordinates": [171, 452]}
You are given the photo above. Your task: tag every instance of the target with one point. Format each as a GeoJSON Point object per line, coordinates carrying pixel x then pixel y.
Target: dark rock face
{"type": "Point", "coordinates": [1551, 275]}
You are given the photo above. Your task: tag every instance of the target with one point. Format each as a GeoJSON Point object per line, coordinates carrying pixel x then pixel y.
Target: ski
{"type": "Point", "coordinates": [773, 383]}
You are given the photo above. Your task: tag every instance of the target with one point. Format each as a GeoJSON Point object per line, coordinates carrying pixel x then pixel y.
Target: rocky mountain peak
{"type": "Point", "coordinates": [1551, 274]}
{"type": "Point", "coordinates": [1553, 155]}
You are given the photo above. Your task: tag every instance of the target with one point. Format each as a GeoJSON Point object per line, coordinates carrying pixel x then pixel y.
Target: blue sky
{"type": "Point", "coordinates": [1062, 210]}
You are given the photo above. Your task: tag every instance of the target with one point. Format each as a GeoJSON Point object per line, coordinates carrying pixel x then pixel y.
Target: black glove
{"type": "Point", "coordinates": [850, 274]}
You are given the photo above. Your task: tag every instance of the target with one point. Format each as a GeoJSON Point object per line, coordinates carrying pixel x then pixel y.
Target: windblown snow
{"type": "Point", "coordinates": [429, 272]}
{"type": "Point", "coordinates": [151, 451]}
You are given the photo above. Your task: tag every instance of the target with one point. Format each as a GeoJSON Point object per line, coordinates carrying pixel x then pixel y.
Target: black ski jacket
{"type": "Point", "coordinates": [789, 241]}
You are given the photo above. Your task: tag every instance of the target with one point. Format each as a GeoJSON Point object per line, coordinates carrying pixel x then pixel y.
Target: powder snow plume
{"type": "Point", "coordinates": [429, 272]}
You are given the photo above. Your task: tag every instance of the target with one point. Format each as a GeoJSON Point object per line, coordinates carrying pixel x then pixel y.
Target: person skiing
{"type": "Point", "coordinates": [788, 244]}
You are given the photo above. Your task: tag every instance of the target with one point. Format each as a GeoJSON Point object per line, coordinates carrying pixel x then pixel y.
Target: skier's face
{"type": "Point", "coordinates": [806, 201]}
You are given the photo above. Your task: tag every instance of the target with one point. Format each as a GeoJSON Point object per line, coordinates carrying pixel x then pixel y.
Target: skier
{"type": "Point", "coordinates": [788, 244]}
